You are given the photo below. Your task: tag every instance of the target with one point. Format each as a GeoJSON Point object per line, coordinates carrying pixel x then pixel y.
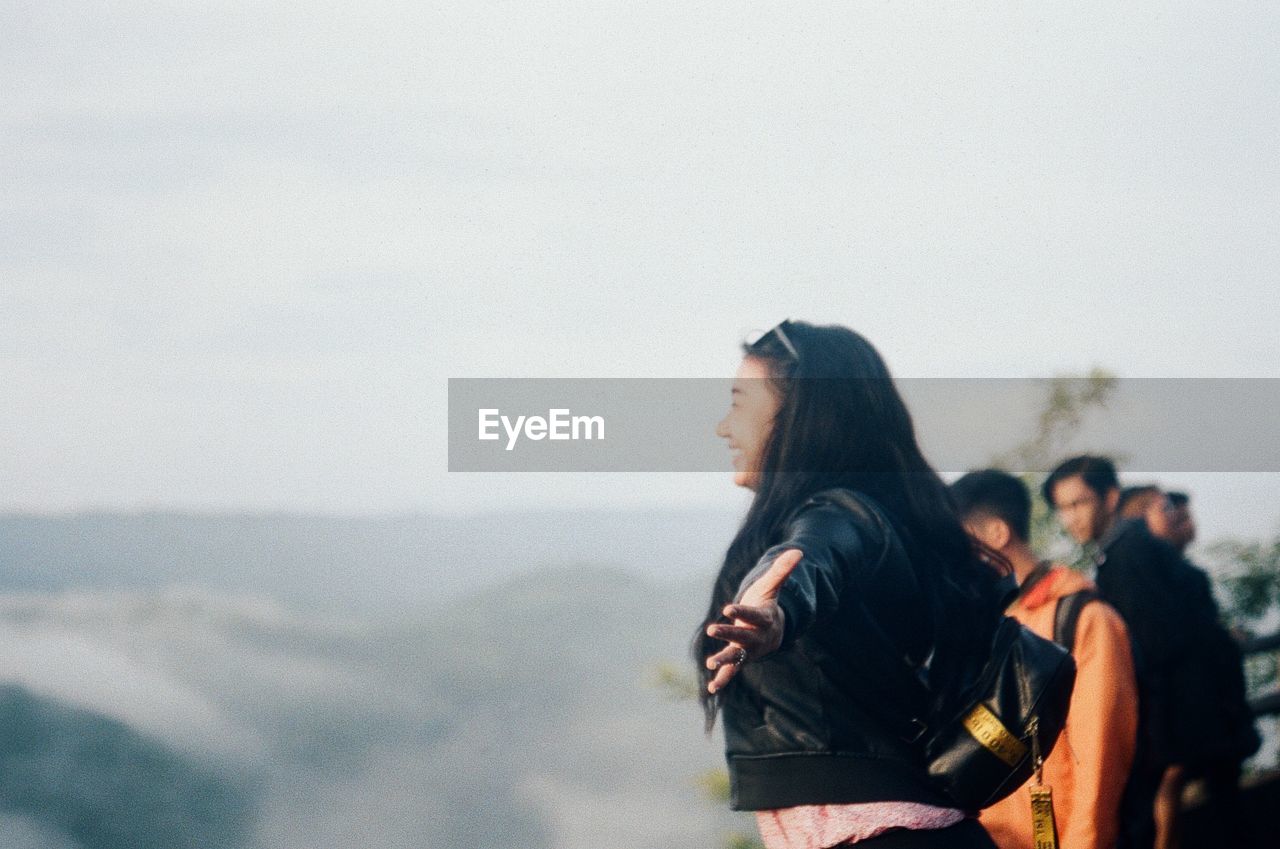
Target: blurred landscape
{"type": "Point", "coordinates": [283, 682]}
{"type": "Point", "coordinates": [244, 247]}
{"type": "Point", "coordinates": [290, 681]}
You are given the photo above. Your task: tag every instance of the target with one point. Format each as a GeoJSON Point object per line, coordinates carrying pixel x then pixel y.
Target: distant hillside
{"type": "Point", "coordinates": [334, 562]}
{"type": "Point", "coordinates": [521, 715]}
{"type": "Point", "coordinates": [97, 782]}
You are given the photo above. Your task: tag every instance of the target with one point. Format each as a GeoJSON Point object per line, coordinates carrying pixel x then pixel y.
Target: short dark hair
{"type": "Point", "coordinates": [997, 494]}
{"type": "Point", "coordinates": [1178, 499]}
{"type": "Point", "coordinates": [1098, 473]}
{"type": "Point", "coordinates": [1132, 493]}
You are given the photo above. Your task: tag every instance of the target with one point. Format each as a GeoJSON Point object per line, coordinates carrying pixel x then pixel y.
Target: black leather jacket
{"type": "Point", "coordinates": [801, 724]}
{"type": "Point", "coordinates": [1190, 671]}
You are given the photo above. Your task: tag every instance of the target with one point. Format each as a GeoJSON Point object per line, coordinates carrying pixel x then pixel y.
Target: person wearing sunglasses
{"type": "Point", "coordinates": [810, 740]}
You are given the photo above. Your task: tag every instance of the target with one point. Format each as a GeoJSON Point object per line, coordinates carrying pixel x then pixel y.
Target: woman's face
{"type": "Point", "coordinates": [749, 421]}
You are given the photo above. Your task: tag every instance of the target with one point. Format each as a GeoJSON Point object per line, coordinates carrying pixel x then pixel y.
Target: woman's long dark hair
{"type": "Point", "coordinates": [842, 423]}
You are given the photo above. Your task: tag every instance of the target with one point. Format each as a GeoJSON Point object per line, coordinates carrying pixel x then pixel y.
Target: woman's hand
{"type": "Point", "coordinates": [758, 622]}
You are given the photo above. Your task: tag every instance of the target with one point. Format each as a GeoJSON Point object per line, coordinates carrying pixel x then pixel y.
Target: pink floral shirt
{"type": "Point", "coordinates": [820, 826]}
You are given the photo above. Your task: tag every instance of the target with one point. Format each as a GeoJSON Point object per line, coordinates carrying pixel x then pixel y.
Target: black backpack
{"type": "Point", "coordinates": [985, 738]}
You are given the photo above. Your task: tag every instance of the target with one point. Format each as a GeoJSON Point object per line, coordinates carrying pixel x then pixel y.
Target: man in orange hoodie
{"type": "Point", "coordinates": [1089, 766]}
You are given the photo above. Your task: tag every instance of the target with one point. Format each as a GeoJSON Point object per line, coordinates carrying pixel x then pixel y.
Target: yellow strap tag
{"type": "Point", "coordinates": [988, 730]}
{"type": "Point", "coordinates": [1044, 831]}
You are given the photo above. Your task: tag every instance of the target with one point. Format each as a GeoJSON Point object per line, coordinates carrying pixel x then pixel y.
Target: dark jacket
{"type": "Point", "coordinates": [1210, 720]}
{"type": "Point", "coordinates": [1190, 670]}
{"type": "Point", "coordinates": [1137, 575]}
{"type": "Point", "coordinates": [801, 724]}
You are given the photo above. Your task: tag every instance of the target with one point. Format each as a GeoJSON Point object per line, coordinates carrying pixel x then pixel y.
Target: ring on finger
{"type": "Point", "coordinates": [741, 658]}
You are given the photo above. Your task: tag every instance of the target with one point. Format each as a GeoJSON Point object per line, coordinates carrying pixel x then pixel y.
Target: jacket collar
{"type": "Point", "coordinates": [1118, 529]}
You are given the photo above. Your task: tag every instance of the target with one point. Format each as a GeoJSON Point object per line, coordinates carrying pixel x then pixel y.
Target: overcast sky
{"type": "Point", "coordinates": [243, 245]}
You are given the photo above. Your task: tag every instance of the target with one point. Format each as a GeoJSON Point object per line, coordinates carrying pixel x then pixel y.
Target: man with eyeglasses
{"type": "Point", "coordinates": [1133, 575]}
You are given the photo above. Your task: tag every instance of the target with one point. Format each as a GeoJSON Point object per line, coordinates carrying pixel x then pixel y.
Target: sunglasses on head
{"type": "Point", "coordinates": [779, 332]}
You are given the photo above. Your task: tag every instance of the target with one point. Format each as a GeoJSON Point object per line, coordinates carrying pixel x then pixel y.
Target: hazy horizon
{"type": "Point", "coordinates": [245, 245]}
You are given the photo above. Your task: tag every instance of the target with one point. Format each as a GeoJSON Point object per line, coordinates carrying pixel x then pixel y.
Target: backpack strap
{"type": "Point", "coordinates": [910, 706]}
{"type": "Point", "coordinates": [1066, 617]}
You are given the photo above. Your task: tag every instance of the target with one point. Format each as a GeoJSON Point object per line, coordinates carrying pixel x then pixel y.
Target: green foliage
{"type": "Point", "coordinates": [1048, 538]}
{"type": "Point", "coordinates": [677, 682]}
{"type": "Point", "coordinates": [1067, 401]}
{"type": "Point", "coordinates": [1248, 579]}
{"type": "Point", "coordinates": [1251, 578]}
{"type": "Point", "coordinates": [715, 784]}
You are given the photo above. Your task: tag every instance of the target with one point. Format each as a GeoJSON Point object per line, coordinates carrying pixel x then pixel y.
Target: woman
{"type": "Point", "coordinates": [810, 585]}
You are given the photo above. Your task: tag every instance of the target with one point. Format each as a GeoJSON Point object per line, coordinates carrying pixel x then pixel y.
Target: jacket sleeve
{"type": "Point", "coordinates": [1101, 731]}
{"type": "Point", "coordinates": [834, 541]}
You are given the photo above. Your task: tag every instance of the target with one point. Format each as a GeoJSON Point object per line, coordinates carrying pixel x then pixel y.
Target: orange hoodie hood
{"type": "Point", "coordinates": [1058, 583]}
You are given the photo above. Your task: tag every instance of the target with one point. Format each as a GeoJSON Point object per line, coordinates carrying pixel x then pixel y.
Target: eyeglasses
{"type": "Point", "coordinates": [778, 331]}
